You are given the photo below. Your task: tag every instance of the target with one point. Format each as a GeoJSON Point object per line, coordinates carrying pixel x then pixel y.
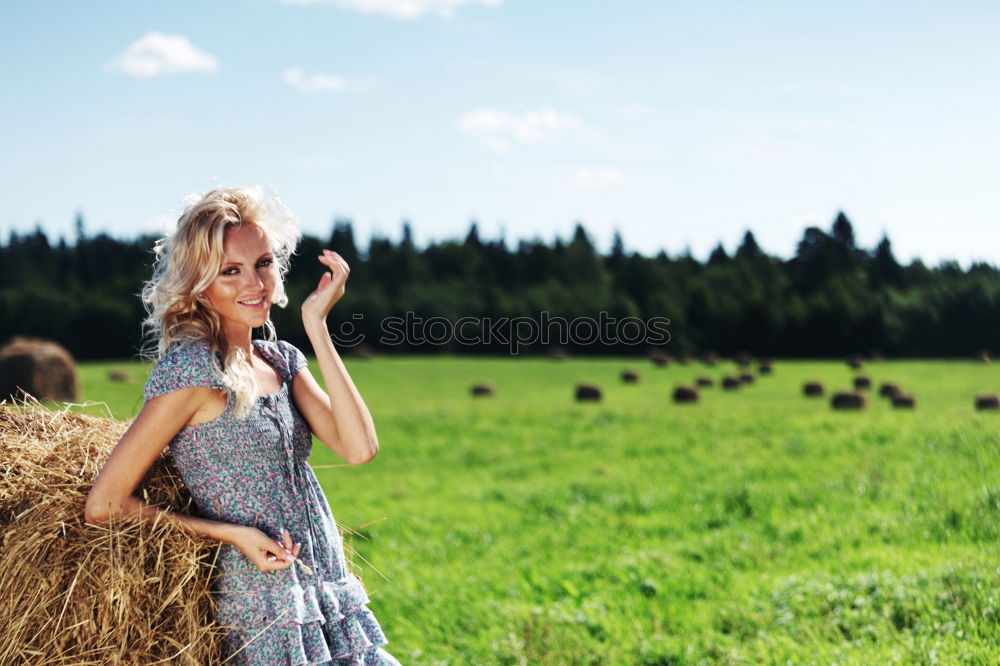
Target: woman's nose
{"type": "Point", "coordinates": [254, 281]}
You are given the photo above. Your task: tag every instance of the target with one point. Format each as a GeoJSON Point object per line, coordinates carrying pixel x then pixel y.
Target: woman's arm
{"type": "Point", "coordinates": [112, 493]}
{"type": "Point", "coordinates": [340, 419]}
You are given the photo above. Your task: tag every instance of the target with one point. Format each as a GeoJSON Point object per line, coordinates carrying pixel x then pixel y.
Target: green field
{"type": "Point", "coordinates": [757, 527]}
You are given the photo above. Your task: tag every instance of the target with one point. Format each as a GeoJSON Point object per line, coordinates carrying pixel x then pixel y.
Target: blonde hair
{"type": "Point", "coordinates": [186, 262]}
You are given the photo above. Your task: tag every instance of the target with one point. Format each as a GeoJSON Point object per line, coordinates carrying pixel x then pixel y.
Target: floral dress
{"type": "Point", "coordinates": [254, 471]}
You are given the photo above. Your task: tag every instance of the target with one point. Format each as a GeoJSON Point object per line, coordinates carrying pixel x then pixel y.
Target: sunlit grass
{"type": "Point", "coordinates": [758, 526]}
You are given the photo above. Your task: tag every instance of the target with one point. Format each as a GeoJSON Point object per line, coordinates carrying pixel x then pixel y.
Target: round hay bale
{"type": "Point", "coordinates": [746, 378]}
{"type": "Point", "coordinates": [730, 382]}
{"type": "Point", "coordinates": [904, 401]}
{"type": "Point", "coordinates": [558, 353]}
{"type": "Point", "coordinates": [685, 358]}
{"type": "Point", "coordinates": [813, 389]}
{"type": "Point", "coordinates": [862, 383]}
{"type": "Point", "coordinates": [483, 389]}
{"type": "Point", "coordinates": [41, 368]}
{"type": "Point", "coordinates": [630, 376]}
{"type": "Point", "coordinates": [84, 593]}
{"type": "Point", "coordinates": [710, 358]}
{"type": "Point", "coordinates": [704, 381]}
{"type": "Point", "coordinates": [659, 358]}
{"type": "Point", "coordinates": [987, 401]}
{"type": "Point", "coordinates": [120, 376]}
{"type": "Point", "coordinates": [848, 400]}
{"type": "Point", "coordinates": [855, 361]}
{"type": "Point", "coordinates": [889, 390]}
{"type": "Point", "coordinates": [764, 366]}
{"type": "Point", "coordinates": [743, 358]}
{"type": "Point", "coordinates": [685, 394]}
{"type": "Point", "coordinates": [588, 392]}
{"type": "Point", "coordinates": [876, 355]}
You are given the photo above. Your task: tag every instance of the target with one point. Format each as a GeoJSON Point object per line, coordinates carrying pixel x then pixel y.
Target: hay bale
{"type": "Point", "coordinates": [685, 394]}
{"type": "Point", "coordinates": [984, 356]}
{"type": "Point", "coordinates": [904, 401]}
{"type": "Point", "coordinates": [704, 381]}
{"type": "Point", "coordinates": [483, 389]}
{"type": "Point", "coordinates": [588, 392]}
{"type": "Point", "coordinates": [710, 358]}
{"type": "Point", "coordinates": [764, 366]}
{"type": "Point", "coordinates": [685, 358]}
{"type": "Point", "coordinates": [659, 358]}
{"type": "Point", "coordinates": [558, 353]}
{"type": "Point", "coordinates": [862, 383]}
{"type": "Point", "coordinates": [813, 389]}
{"type": "Point", "coordinates": [730, 382]}
{"type": "Point", "coordinates": [987, 401]}
{"type": "Point", "coordinates": [743, 359]}
{"type": "Point", "coordinates": [889, 390]}
{"type": "Point", "coordinates": [630, 376]}
{"type": "Point", "coordinates": [848, 400]}
{"type": "Point", "coordinates": [855, 361]}
{"type": "Point", "coordinates": [42, 368]}
{"type": "Point", "coordinates": [746, 378]}
{"type": "Point", "coordinates": [876, 355]}
{"type": "Point", "coordinates": [120, 376]}
{"type": "Point", "coordinates": [129, 593]}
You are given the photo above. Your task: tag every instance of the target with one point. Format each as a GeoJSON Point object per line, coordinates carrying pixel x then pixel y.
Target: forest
{"type": "Point", "coordinates": [830, 299]}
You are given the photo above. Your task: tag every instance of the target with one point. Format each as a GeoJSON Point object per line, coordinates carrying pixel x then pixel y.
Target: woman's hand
{"type": "Point", "coordinates": [266, 553]}
{"type": "Point", "coordinates": [317, 305]}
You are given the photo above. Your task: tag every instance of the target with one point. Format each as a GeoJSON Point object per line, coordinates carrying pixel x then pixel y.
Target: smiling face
{"type": "Point", "coordinates": [242, 291]}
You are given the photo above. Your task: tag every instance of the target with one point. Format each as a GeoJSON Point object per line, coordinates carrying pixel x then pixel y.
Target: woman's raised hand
{"type": "Point", "coordinates": [330, 288]}
{"type": "Point", "coordinates": [266, 553]}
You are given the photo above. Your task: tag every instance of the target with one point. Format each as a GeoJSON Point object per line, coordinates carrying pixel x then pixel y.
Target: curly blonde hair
{"type": "Point", "coordinates": [188, 259]}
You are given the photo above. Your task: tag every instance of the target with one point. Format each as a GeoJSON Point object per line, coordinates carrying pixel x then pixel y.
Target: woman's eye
{"type": "Point", "coordinates": [229, 271]}
{"type": "Point", "coordinates": [266, 262]}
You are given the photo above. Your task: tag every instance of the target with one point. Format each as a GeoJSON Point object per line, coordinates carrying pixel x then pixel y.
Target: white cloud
{"type": "Point", "coordinates": [318, 82]}
{"type": "Point", "coordinates": [497, 128]}
{"type": "Point", "coordinates": [587, 178]}
{"type": "Point", "coordinates": [155, 53]}
{"type": "Point", "coordinates": [400, 9]}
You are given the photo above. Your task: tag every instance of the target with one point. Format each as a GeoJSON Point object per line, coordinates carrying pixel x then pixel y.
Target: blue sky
{"type": "Point", "coordinates": [681, 124]}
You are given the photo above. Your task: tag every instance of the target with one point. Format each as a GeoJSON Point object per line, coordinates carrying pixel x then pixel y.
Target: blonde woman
{"type": "Point", "coordinates": [238, 415]}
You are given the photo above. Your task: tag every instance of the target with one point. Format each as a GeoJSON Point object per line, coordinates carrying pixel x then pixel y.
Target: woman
{"type": "Point", "coordinates": [239, 414]}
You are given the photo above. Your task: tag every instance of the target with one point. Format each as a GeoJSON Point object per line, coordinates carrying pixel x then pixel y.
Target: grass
{"type": "Point", "coordinates": [756, 527]}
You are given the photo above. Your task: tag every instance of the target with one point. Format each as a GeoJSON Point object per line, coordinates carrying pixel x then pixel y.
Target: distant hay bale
{"type": "Point", "coordinates": [889, 390]}
{"type": "Point", "coordinates": [987, 401]}
{"type": "Point", "coordinates": [855, 361]}
{"type": "Point", "coordinates": [848, 400]}
{"type": "Point", "coordinates": [764, 366]}
{"type": "Point", "coordinates": [685, 394]}
{"type": "Point", "coordinates": [120, 376]}
{"type": "Point", "coordinates": [984, 356]}
{"type": "Point", "coordinates": [862, 383]}
{"type": "Point", "coordinates": [659, 358]}
{"type": "Point", "coordinates": [730, 383]}
{"type": "Point", "coordinates": [704, 381]}
{"type": "Point", "coordinates": [588, 392]}
{"type": "Point", "coordinates": [710, 358]}
{"type": "Point", "coordinates": [813, 389]}
{"type": "Point", "coordinates": [876, 355]}
{"type": "Point", "coordinates": [904, 401]}
{"type": "Point", "coordinates": [41, 368]}
{"type": "Point", "coordinates": [685, 358]}
{"type": "Point", "coordinates": [743, 358]}
{"type": "Point", "coordinates": [746, 378]}
{"type": "Point", "coordinates": [483, 389]}
{"type": "Point", "coordinates": [558, 353]}
{"type": "Point", "coordinates": [630, 376]}
{"type": "Point", "coordinates": [127, 593]}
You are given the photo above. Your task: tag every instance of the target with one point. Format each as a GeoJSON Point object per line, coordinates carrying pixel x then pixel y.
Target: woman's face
{"type": "Point", "coordinates": [242, 291]}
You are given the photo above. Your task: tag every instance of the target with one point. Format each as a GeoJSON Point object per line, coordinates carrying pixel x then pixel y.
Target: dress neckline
{"type": "Point", "coordinates": [260, 345]}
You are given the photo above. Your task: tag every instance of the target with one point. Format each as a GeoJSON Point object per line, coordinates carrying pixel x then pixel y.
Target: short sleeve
{"type": "Point", "coordinates": [186, 363]}
{"type": "Point", "coordinates": [295, 360]}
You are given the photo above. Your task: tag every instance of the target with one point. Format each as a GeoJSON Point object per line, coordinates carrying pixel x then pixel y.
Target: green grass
{"type": "Point", "coordinates": [757, 527]}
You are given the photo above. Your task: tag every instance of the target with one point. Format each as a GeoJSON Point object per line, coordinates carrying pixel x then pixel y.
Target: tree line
{"type": "Point", "coordinates": [830, 299]}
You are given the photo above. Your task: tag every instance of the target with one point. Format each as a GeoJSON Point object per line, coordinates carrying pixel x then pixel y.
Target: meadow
{"type": "Point", "coordinates": [755, 527]}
